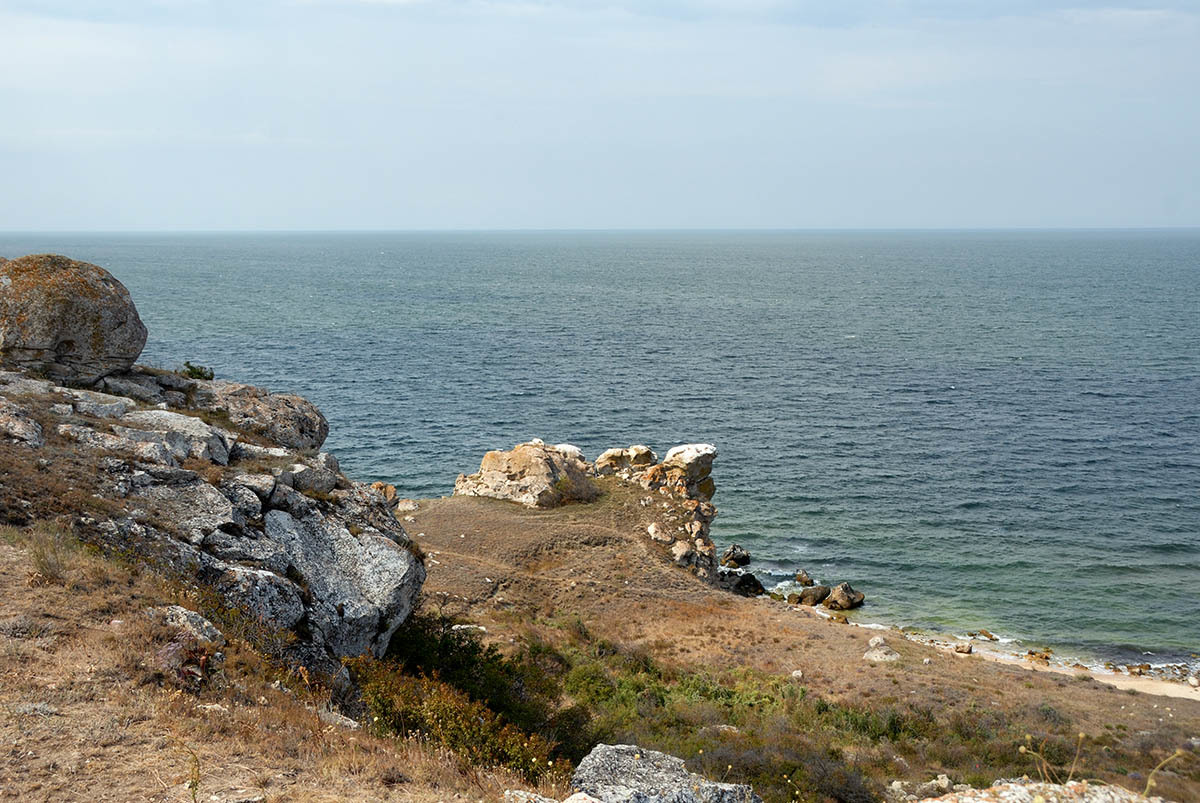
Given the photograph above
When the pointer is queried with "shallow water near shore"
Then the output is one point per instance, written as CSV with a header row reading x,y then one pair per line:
x,y
994,429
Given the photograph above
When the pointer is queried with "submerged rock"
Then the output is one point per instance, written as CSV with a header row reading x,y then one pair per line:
x,y
626,773
532,474
69,320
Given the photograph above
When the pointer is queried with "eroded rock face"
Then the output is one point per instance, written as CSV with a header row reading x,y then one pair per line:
x,y
633,458
532,474
287,420
626,773
301,548
685,472
69,320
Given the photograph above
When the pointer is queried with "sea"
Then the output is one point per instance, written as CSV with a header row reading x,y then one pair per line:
x,y
996,429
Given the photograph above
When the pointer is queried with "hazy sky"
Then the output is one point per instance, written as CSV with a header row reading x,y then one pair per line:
x,y
403,114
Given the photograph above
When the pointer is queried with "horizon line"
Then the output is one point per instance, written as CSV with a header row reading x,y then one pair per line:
x,y
612,230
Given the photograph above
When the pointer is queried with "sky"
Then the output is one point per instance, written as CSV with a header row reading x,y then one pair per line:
x,y
520,114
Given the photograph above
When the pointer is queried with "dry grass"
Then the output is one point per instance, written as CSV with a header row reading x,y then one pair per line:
x,y
86,715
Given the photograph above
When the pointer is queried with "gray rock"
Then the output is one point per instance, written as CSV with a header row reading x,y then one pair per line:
x,y
250,451
176,445
244,500
291,501
263,485
100,405
17,423
628,774
190,623
263,594
282,418
881,653
362,586
150,452
15,383
327,462
261,553
198,509
142,388
69,319
307,478
206,442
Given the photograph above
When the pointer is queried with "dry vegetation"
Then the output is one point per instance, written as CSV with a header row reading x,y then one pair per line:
x,y
86,715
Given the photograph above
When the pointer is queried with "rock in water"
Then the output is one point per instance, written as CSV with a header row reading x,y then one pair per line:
x,y
533,474
843,598
735,557
626,773
70,320
803,578
741,583
814,595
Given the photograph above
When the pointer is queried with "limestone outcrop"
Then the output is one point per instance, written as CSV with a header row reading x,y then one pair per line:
x,y
532,474
282,535
626,773
685,471
625,461
68,320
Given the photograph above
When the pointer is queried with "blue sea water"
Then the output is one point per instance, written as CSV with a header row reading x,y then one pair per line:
x,y
988,429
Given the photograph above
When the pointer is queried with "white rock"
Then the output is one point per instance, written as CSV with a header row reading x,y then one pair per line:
x,y
884,653
877,641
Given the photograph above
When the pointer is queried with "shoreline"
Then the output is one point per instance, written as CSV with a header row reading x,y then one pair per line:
x,y
1155,682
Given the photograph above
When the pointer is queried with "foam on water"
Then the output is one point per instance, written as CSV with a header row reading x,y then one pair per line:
x,y
994,430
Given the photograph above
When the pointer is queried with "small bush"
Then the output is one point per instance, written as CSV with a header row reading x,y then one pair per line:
x,y
192,371
403,705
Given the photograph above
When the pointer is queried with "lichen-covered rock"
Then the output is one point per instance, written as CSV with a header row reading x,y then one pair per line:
x,y
626,773
70,320
533,474
16,423
362,586
204,441
287,420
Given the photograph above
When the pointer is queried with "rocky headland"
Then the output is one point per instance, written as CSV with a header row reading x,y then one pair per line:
x,y
597,579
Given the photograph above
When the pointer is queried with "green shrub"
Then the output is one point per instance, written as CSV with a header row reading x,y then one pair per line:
x,y
192,371
403,705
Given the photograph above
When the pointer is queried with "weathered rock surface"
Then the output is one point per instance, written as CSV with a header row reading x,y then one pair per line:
x,y
741,583
282,418
17,423
1074,792
880,651
307,550
70,320
842,598
684,472
628,774
735,557
633,458
813,595
532,474
803,578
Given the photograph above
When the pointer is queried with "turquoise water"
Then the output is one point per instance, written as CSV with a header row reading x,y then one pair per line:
x,y
976,429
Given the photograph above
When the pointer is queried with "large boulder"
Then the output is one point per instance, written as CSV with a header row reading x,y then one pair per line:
x,y
842,598
533,474
69,320
625,773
